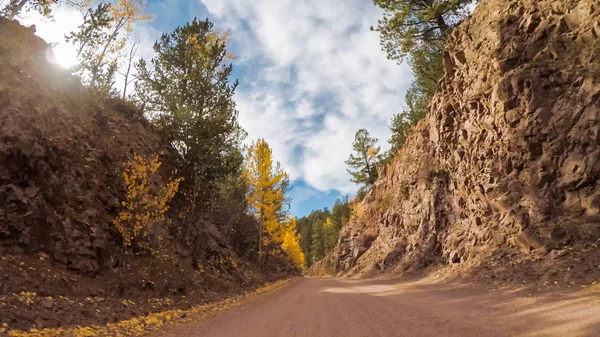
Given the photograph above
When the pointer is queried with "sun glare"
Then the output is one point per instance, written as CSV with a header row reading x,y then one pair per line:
x,y
63,55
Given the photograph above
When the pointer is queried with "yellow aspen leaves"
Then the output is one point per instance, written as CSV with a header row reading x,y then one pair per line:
x,y
266,192
203,50
328,223
357,209
291,244
372,152
127,12
143,208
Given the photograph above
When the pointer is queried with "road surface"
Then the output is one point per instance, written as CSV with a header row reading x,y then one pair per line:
x,y
376,308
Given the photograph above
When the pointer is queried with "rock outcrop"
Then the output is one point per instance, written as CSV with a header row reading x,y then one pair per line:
x,y
508,158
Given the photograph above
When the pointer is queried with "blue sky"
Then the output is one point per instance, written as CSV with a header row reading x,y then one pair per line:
x,y
311,74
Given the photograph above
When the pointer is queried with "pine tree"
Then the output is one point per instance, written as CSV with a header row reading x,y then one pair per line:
x,y
407,25
266,195
318,239
305,228
416,30
363,162
340,214
188,90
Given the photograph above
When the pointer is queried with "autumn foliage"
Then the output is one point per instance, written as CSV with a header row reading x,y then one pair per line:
x,y
143,208
291,244
267,184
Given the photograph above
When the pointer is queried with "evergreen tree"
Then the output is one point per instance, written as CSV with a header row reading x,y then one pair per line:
x,y
340,214
188,91
318,239
416,30
305,228
363,162
407,25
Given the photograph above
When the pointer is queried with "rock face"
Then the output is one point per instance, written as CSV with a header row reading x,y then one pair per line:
x,y
508,157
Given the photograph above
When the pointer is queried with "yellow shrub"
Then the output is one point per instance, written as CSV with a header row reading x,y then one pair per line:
x,y
142,208
357,209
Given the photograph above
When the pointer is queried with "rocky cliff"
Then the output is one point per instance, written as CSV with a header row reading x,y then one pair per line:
x,y
506,165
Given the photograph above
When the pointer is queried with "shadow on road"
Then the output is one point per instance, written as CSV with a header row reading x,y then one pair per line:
x,y
520,311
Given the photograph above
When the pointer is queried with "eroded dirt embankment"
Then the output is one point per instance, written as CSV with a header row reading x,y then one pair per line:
x,y
62,262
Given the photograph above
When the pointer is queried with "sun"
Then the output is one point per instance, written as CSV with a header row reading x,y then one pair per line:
x,y
63,55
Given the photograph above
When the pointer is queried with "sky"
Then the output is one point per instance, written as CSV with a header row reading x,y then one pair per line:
x,y
311,73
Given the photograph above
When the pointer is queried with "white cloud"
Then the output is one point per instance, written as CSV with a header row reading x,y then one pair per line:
x,y
312,74
322,77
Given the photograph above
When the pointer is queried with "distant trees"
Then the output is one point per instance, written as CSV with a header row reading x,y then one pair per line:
x,y
363,162
340,215
320,230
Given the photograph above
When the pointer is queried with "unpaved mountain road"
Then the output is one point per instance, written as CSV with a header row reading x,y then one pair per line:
x,y
372,308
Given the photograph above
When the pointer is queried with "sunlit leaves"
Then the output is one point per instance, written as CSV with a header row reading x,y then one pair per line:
x,y
142,208
291,244
101,39
266,186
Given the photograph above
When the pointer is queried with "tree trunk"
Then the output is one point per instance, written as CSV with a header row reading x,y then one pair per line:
x,y
14,8
259,243
442,25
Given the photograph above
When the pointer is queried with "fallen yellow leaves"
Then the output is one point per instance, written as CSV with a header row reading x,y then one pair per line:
x,y
141,325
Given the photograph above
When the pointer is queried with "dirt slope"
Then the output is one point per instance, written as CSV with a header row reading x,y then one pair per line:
x,y
61,259
504,170
353,308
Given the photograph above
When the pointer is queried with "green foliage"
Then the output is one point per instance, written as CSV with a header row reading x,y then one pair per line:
x,y
361,193
320,230
311,231
340,214
407,25
100,40
187,88
416,30
318,237
15,7
89,39
363,162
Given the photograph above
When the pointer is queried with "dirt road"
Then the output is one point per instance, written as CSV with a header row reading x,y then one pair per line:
x,y
371,308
